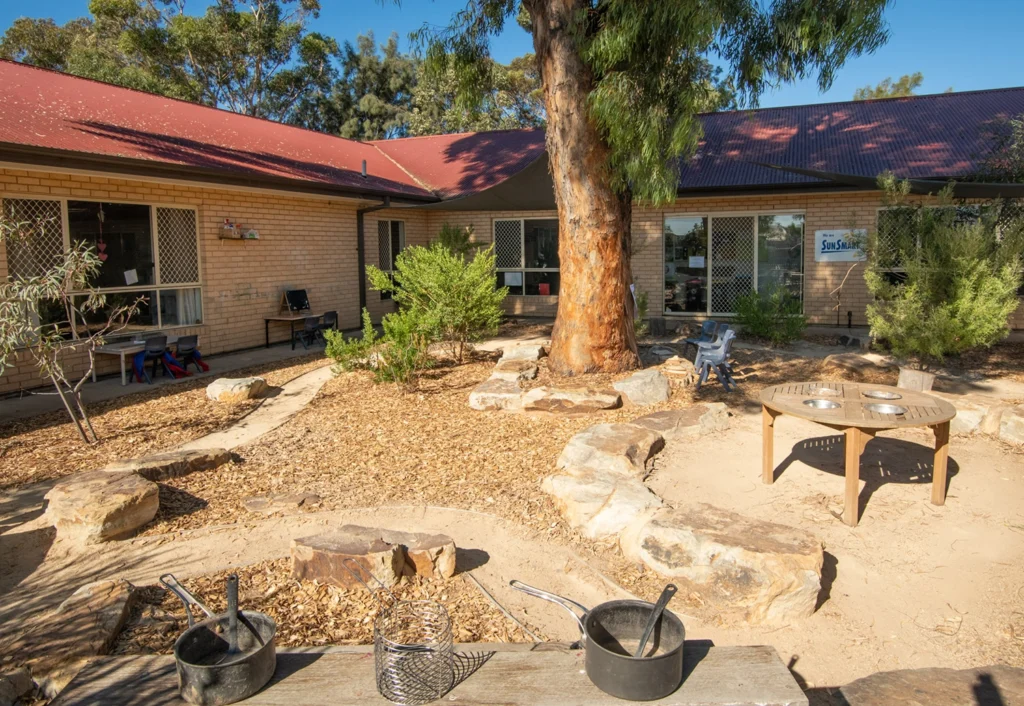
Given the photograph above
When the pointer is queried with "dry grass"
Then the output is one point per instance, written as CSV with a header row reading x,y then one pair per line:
x,y
155,419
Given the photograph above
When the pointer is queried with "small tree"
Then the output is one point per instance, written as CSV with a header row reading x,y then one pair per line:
x,y
774,315
457,239
453,299
946,280
64,292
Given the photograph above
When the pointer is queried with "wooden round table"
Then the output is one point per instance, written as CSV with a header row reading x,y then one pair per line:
x,y
852,408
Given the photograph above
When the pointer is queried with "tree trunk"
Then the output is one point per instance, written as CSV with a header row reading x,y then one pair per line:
x,y
594,326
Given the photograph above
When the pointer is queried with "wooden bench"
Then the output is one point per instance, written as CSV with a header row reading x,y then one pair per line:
x,y
548,674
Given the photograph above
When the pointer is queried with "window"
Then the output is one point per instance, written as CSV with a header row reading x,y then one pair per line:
x,y
526,253
711,261
390,242
146,252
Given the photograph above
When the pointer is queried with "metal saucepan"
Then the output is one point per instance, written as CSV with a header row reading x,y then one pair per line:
x,y
225,658
611,633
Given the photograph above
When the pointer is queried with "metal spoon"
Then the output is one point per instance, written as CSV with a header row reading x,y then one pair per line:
x,y
659,608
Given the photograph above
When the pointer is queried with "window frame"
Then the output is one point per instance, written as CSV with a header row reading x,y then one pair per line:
x,y
522,252
157,285
404,237
749,213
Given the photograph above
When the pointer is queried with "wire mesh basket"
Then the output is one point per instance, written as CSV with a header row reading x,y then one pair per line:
x,y
413,649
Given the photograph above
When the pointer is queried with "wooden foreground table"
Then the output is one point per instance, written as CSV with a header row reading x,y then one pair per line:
x,y
859,423
509,674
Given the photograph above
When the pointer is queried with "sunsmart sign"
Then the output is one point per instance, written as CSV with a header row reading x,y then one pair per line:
x,y
846,245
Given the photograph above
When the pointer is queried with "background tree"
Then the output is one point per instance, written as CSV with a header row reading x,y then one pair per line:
x,y
906,85
622,84
1004,162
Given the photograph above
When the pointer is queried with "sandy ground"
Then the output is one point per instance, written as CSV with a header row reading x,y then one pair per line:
x,y
913,585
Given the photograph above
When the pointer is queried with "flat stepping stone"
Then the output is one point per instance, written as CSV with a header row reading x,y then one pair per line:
x,y
495,393
741,568
598,503
236,389
100,506
523,351
1011,425
385,554
289,502
687,422
645,387
570,400
998,685
172,464
623,449
514,370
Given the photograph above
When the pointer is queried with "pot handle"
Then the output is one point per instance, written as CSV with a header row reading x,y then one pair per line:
x,y
566,603
172,585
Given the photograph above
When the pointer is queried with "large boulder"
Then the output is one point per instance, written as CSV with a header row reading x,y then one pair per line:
x,y
385,554
854,366
998,685
1011,425
523,351
85,625
172,464
741,568
99,506
14,685
598,503
495,393
570,400
514,370
645,387
617,448
236,389
687,422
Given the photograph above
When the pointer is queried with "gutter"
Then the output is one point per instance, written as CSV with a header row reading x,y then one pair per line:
x,y
361,248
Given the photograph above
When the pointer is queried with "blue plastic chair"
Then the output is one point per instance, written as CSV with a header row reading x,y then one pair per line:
x,y
715,357
708,330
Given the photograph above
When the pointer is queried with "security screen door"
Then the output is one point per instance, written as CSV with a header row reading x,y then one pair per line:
x,y
732,261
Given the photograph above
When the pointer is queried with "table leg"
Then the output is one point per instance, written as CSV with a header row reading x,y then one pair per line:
x,y
124,377
940,463
266,331
853,450
291,327
767,445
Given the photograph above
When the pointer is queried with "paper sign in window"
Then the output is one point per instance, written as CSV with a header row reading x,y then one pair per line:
x,y
513,279
131,277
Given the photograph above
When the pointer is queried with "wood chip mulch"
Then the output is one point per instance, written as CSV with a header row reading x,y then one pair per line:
x,y
310,613
155,419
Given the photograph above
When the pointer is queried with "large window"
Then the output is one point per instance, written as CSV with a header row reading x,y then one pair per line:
x,y
712,260
390,242
526,253
147,253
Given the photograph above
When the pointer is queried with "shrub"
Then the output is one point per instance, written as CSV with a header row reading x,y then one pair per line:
x,y
352,353
457,240
773,315
396,356
640,322
446,297
960,271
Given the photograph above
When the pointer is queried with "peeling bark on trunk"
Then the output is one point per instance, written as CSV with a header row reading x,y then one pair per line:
x,y
594,326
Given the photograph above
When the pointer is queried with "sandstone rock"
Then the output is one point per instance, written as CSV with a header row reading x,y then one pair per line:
x,y
83,626
853,365
740,568
14,685
172,464
623,449
998,685
523,351
236,389
288,502
1011,425
687,422
598,503
495,394
661,352
387,554
514,370
570,400
98,506
645,387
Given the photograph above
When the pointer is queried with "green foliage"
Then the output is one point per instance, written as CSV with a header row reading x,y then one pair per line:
x,y
450,298
959,271
458,240
640,325
648,64
1004,162
906,85
773,315
396,356
351,354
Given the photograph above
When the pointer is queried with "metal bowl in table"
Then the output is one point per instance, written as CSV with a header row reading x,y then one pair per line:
x,y
822,404
882,395
824,391
893,409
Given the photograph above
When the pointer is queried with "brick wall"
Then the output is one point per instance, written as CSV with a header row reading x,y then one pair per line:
x,y
305,243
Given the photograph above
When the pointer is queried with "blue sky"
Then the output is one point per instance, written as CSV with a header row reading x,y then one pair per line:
x,y
968,46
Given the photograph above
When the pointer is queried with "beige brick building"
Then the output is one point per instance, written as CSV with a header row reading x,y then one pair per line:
x,y
151,182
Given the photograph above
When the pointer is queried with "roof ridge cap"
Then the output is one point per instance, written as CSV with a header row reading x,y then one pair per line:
x,y
420,182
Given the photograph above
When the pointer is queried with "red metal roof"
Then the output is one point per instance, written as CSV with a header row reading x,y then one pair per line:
x,y
458,165
40,108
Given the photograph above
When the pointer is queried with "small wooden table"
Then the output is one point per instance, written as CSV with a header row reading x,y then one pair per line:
x,y
124,350
547,674
290,319
859,424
